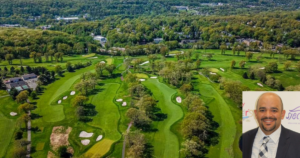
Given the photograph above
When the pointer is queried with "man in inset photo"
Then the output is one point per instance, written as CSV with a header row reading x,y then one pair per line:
x,y
270,139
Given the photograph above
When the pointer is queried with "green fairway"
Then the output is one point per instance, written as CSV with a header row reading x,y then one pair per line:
x,y
222,115
7,127
165,142
107,119
54,113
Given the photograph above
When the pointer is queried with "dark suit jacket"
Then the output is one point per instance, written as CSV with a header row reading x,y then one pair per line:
x,y
288,145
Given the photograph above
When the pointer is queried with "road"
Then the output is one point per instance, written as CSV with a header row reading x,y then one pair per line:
x,y
124,143
28,133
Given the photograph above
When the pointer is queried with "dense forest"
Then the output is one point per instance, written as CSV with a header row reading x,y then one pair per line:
x,y
39,12
25,43
270,29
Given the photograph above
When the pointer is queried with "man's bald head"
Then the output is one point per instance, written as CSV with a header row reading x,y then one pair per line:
x,y
269,95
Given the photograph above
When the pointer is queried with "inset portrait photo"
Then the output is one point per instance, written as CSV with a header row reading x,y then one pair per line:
x,y
271,125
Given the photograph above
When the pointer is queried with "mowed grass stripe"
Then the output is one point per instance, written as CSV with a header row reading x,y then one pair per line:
x,y
7,127
55,113
107,119
222,115
165,142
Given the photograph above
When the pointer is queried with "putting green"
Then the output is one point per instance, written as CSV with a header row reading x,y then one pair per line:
x,y
165,142
54,113
140,75
222,115
109,61
7,127
107,119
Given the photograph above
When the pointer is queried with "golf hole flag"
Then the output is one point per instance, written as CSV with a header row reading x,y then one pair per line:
x,y
291,104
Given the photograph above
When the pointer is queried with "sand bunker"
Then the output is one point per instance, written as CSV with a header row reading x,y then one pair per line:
x,y
262,68
102,61
119,100
65,97
260,84
84,134
212,73
146,62
51,155
99,137
59,137
13,113
153,77
142,79
85,141
72,93
222,69
59,102
178,99
124,104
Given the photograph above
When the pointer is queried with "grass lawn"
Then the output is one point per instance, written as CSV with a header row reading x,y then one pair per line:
x,y
222,115
165,142
54,113
107,119
7,127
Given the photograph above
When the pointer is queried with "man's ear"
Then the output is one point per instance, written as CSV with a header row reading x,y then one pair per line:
x,y
282,114
255,114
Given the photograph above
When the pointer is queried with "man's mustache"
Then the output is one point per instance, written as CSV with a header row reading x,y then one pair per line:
x,y
269,118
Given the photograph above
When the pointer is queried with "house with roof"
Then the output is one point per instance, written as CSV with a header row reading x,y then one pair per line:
x,y
24,82
157,40
101,39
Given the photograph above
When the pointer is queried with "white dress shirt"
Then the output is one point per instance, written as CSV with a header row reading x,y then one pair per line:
x,y
272,144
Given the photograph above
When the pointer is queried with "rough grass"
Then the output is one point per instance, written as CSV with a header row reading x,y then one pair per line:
x,y
165,142
107,119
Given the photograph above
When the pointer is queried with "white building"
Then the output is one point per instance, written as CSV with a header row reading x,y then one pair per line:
x,y
157,40
101,39
67,18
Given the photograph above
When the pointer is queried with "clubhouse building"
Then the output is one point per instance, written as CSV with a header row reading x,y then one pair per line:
x,y
22,83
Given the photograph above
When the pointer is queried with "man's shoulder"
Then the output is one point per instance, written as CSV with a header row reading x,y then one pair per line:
x,y
292,134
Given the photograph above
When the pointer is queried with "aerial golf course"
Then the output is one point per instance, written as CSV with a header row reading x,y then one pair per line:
x,y
102,133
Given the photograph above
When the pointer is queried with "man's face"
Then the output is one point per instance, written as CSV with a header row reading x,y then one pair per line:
x,y
269,113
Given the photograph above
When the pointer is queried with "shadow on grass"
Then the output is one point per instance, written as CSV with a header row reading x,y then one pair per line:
x,y
160,117
35,116
148,150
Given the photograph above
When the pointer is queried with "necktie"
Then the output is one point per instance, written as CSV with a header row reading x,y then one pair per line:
x,y
263,150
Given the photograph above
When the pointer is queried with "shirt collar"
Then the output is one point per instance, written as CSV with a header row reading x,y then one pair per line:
x,y
274,136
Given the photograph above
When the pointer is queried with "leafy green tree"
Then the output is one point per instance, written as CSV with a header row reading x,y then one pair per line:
x,y
232,64
58,69
287,65
26,107
271,67
69,67
9,58
110,69
22,96
79,100
100,67
242,64
249,55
